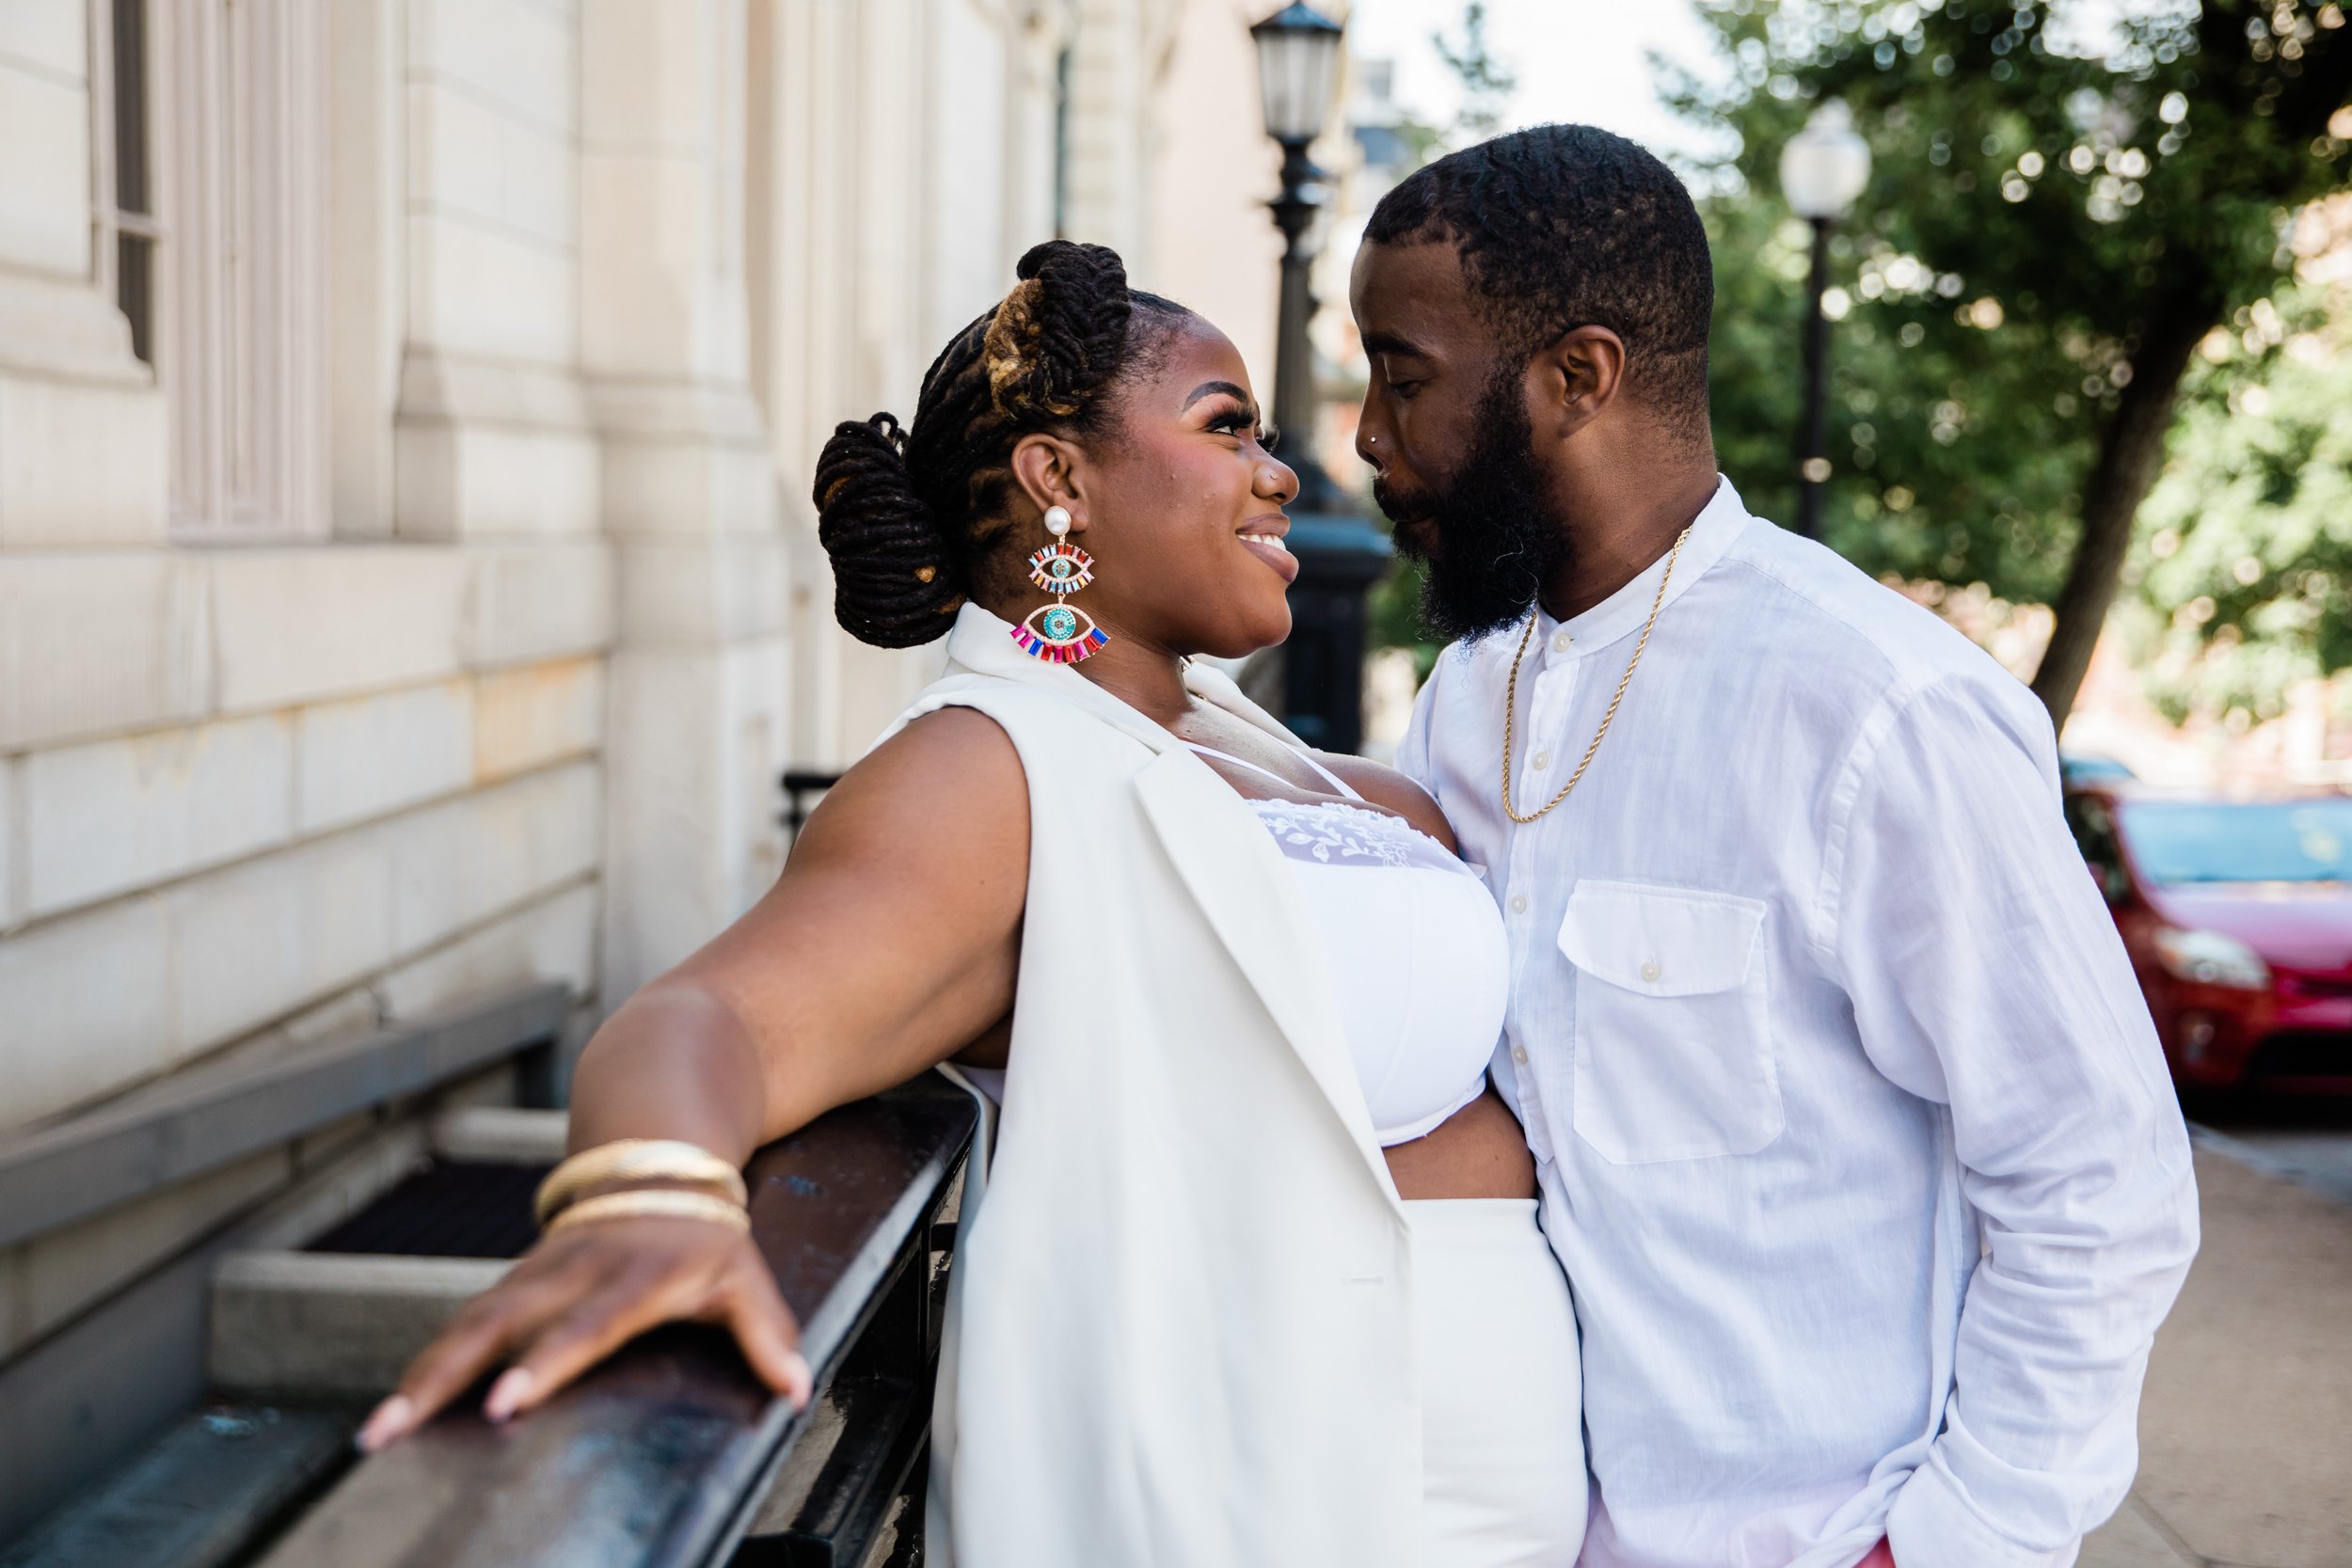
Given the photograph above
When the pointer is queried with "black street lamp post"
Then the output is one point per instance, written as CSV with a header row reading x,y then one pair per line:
x,y
1822,169
1339,554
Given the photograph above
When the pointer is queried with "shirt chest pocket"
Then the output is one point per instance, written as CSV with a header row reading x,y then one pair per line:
x,y
1674,1051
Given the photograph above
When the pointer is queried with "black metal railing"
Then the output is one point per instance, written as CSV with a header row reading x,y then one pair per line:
x,y
802,791
671,1454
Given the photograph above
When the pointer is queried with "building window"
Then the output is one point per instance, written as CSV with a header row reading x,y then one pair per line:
x,y
217,210
1061,145
127,230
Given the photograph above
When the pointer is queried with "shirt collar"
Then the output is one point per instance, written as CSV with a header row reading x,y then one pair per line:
x,y
1624,611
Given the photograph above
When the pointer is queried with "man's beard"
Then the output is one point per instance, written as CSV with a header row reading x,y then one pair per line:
x,y
1486,536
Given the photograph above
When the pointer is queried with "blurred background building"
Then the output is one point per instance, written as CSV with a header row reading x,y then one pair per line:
x,y
408,582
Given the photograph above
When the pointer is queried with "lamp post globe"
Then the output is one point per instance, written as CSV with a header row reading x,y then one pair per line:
x,y
1298,59
1340,553
1823,170
1825,165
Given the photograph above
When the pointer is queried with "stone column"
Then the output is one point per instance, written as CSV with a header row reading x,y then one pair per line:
x,y
699,674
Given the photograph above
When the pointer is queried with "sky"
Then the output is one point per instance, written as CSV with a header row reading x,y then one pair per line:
x,y
1589,60
1582,61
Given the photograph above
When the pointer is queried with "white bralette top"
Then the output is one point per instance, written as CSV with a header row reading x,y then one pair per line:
x,y
1416,947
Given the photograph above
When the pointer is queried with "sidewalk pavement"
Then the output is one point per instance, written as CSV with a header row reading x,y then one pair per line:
x,y
2245,1428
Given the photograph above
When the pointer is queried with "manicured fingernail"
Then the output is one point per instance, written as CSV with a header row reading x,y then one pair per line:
x,y
385,1422
513,1386
799,1379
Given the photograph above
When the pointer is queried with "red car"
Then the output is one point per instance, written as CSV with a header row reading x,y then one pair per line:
x,y
2238,918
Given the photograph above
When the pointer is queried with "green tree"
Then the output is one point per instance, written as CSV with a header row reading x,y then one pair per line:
x,y
2053,226
1486,81
2243,560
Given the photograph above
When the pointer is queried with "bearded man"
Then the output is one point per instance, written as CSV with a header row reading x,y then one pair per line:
x,y
1855,1137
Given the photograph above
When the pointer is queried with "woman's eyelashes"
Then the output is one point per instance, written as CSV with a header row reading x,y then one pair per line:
x,y
1241,423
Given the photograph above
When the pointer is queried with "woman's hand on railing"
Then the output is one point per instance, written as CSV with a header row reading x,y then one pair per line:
x,y
582,1293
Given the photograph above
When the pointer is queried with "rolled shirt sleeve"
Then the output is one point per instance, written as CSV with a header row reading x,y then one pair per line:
x,y
1986,976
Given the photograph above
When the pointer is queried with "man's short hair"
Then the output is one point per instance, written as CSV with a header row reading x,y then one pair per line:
x,y
1569,226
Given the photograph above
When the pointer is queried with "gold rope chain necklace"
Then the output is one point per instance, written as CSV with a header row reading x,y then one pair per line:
x,y
1511,700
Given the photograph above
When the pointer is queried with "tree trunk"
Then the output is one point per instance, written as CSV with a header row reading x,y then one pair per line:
x,y
2131,454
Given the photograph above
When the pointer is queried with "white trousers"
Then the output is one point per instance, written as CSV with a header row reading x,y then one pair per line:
x,y
1503,1438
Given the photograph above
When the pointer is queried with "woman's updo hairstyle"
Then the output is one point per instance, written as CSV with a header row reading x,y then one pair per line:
x,y
909,516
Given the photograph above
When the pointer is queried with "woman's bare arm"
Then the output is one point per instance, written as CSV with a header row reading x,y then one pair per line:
x,y
891,939
889,942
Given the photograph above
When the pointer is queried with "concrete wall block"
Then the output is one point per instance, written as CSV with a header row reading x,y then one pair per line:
x,y
526,718
643,73
52,35
85,1008
111,816
80,464
325,1144
666,879
256,940
477,157
517,54
288,1324
475,482
449,389
555,940
297,624
664,487
368,755
13,844
98,644
460,863
699,591
500,1134
644,307
532,602
478,290
697,740
66,1271
44,168
758,695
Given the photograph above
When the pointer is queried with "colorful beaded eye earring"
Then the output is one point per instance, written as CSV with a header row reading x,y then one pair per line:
x,y
1060,632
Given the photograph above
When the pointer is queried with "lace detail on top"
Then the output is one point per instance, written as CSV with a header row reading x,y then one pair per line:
x,y
1334,832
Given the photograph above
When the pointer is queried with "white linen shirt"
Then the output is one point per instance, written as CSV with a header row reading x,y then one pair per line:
x,y
1853,1134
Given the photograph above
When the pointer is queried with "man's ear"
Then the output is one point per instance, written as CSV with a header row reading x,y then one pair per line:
x,y
1574,379
1046,469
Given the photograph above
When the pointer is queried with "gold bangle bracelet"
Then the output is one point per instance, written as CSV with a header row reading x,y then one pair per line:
x,y
637,1160
653,1202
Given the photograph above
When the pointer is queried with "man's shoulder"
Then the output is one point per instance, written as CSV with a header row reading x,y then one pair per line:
x,y
1846,635
1788,613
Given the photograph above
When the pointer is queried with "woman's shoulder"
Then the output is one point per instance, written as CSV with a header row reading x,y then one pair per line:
x,y
1386,786
952,766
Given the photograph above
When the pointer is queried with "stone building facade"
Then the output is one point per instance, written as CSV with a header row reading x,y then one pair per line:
x,y
408,586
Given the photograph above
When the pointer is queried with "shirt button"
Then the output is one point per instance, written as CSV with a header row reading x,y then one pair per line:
x,y
1519,902
1518,1054
1560,643
1541,759
1650,969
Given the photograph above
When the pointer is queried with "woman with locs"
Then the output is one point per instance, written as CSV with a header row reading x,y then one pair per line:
x,y
1250,1270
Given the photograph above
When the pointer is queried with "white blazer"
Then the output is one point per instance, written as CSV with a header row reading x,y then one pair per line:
x,y
1179,1326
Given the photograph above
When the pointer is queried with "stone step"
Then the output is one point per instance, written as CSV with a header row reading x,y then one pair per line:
x,y
200,1496
500,1134
331,1326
